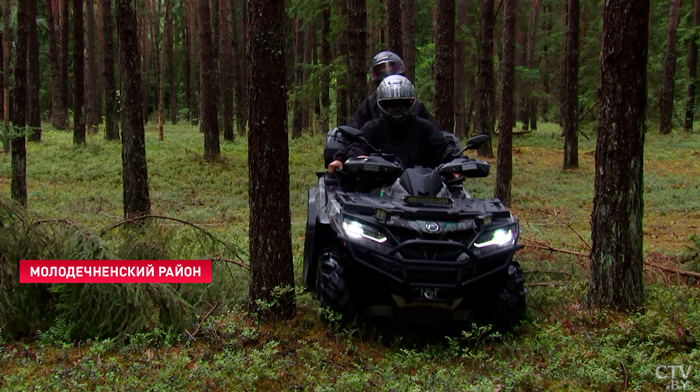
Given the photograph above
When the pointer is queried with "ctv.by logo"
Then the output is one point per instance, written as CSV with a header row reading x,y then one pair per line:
x,y
677,374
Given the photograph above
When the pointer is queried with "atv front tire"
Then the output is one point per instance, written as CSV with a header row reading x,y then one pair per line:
x,y
505,305
332,287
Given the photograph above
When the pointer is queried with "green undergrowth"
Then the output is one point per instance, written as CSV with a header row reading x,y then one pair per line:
x,y
201,337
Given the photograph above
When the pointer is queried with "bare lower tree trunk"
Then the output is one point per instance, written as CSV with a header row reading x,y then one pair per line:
x,y
444,65
459,68
666,101
137,201
484,111
78,73
357,49
237,74
341,90
271,265
100,62
33,74
208,88
325,63
521,85
92,117
393,23
6,39
506,113
692,71
171,67
408,45
63,105
192,50
110,90
55,63
617,259
571,79
18,186
161,80
297,116
145,65
532,65
225,62
307,102
244,64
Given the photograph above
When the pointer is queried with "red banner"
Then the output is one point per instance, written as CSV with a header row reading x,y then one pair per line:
x,y
115,271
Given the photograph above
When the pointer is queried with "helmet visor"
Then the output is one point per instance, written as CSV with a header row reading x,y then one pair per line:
x,y
396,107
384,69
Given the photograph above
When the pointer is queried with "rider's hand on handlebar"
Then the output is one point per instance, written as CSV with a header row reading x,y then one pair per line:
x,y
457,175
335,165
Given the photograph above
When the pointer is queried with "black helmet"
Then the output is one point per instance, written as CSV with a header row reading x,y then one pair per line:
x,y
384,64
396,97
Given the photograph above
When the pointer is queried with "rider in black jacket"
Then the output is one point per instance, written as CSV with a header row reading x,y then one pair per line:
x,y
383,64
414,140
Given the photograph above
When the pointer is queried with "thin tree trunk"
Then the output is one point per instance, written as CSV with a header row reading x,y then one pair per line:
x,y
393,23
135,169
155,50
297,107
171,69
78,73
237,73
244,63
617,259
110,90
194,66
459,68
161,80
2,77
357,49
545,69
571,79
18,186
100,62
7,38
326,63
692,71
373,32
408,46
484,111
506,113
208,88
188,60
532,65
444,65
145,65
666,102
63,90
33,74
562,71
308,48
92,118
225,62
521,85
271,265
343,78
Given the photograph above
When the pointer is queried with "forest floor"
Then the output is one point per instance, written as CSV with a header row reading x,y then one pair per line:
x,y
561,344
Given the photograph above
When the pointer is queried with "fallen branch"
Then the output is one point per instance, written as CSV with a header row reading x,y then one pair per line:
x,y
552,283
675,270
546,272
553,249
204,319
244,266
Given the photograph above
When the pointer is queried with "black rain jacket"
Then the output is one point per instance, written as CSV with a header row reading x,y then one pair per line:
x,y
369,110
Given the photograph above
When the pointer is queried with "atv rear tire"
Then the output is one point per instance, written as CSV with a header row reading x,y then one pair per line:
x,y
506,303
332,287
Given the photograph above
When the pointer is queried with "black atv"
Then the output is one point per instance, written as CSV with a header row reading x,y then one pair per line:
x,y
412,246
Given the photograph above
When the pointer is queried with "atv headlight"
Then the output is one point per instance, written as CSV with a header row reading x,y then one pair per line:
x,y
492,240
357,230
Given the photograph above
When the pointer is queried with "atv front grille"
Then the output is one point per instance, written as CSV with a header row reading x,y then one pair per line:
x,y
425,246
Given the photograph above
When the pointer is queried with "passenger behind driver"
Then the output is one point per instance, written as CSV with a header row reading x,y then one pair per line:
x,y
415,141
383,64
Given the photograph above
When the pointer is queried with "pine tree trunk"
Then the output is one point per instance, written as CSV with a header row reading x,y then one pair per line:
x,y
100,62
666,102
297,116
110,90
171,69
271,265
78,73
562,71
6,38
192,38
155,50
33,74
692,71
532,65
617,259
408,46
225,62
357,49
325,63
163,70
444,65
63,104
145,65
188,61
571,79
393,23
341,90
484,80
237,73
244,63
92,118
506,113
307,102
208,90
135,169
545,69
459,68
521,87
18,186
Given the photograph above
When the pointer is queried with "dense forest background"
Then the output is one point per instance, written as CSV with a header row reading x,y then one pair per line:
x,y
319,60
